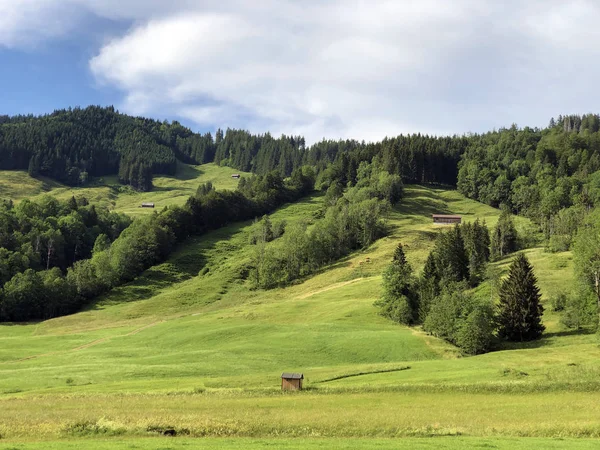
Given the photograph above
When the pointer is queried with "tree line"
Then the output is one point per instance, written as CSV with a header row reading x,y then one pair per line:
x,y
550,175
39,241
72,145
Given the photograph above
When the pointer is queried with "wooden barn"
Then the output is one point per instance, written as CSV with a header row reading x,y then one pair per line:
x,y
445,219
291,381
235,175
147,205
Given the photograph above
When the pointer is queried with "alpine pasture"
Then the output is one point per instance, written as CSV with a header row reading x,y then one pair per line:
x,y
189,347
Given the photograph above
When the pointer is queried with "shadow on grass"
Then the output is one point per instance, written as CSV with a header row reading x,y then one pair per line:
x,y
164,189
545,340
184,173
422,205
183,264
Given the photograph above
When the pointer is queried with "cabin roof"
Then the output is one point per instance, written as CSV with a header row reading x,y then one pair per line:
x,y
292,376
445,216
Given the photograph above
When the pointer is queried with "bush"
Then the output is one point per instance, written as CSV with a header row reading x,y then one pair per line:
x,y
475,333
559,243
559,301
461,320
580,310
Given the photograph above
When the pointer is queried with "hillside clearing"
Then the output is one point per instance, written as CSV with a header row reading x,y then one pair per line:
x,y
108,192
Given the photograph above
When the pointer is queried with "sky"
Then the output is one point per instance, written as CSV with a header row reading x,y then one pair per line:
x,y
361,69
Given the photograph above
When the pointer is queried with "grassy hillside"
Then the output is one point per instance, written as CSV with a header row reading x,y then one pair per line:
x,y
189,345
110,193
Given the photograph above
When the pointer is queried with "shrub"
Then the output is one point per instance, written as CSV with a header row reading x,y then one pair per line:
x,y
475,333
580,310
559,301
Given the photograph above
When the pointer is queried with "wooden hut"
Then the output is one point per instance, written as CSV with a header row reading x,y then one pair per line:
x,y
445,219
147,205
291,381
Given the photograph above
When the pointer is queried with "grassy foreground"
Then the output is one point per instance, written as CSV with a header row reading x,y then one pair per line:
x,y
189,346
453,443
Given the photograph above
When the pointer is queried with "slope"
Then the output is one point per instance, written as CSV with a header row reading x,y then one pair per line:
x,y
189,345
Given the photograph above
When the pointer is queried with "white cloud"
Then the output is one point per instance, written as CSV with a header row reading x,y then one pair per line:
x,y
339,68
24,23
332,69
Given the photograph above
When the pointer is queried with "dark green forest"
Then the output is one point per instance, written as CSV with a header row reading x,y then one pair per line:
x,y
73,145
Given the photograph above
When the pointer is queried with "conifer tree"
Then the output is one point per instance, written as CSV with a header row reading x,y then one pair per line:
x,y
399,301
452,260
519,311
430,269
399,256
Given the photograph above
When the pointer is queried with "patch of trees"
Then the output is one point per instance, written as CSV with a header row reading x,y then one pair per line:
x,y
350,220
39,241
259,153
440,301
415,158
72,145
549,175
582,305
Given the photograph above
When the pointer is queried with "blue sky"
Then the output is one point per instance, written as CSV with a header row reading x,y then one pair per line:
x,y
335,69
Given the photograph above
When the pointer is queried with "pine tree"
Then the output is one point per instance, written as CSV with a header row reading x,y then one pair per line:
x,y
72,204
399,301
519,311
399,256
430,269
453,262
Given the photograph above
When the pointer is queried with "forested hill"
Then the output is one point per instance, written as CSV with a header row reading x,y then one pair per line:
x,y
534,171
75,144
72,145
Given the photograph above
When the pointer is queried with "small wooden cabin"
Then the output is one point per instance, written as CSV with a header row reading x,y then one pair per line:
x,y
147,205
235,175
446,219
291,381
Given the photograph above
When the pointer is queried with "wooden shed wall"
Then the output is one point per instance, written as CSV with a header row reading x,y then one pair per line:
x,y
291,385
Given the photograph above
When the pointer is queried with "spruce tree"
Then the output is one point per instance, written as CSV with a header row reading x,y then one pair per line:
x,y
430,271
452,260
399,256
519,310
399,301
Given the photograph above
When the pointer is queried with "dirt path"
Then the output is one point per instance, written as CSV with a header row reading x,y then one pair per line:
x,y
329,288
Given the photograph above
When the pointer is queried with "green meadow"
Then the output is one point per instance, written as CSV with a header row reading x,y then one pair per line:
x,y
190,346
108,192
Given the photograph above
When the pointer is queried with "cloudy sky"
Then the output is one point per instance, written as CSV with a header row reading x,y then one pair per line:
x,y
338,68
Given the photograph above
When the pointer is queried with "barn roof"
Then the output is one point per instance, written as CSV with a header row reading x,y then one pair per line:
x,y
292,376
445,216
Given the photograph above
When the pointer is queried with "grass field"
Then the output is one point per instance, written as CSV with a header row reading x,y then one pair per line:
x,y
189,346
107,191
453,443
